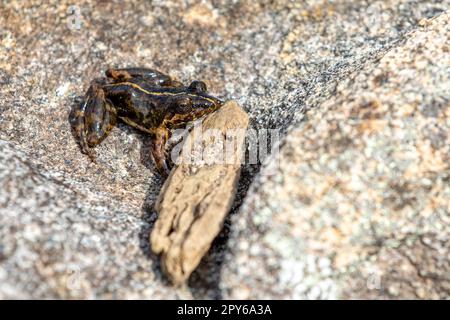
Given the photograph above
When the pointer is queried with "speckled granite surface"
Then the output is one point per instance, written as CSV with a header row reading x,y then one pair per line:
x,y
358,205
70,228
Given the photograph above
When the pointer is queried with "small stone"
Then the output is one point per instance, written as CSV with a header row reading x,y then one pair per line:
x,y
193,204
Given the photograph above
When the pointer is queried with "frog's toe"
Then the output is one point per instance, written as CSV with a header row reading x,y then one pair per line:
x,y
165,169
76,120
91,154
86,149
93,140
163,166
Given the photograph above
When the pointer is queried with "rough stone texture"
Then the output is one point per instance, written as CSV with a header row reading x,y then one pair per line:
x,y
59,240
276,58
199,192
358,204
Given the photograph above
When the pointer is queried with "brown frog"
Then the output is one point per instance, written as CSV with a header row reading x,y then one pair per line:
x,y
147,100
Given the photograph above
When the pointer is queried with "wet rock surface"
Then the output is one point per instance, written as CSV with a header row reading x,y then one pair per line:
x,y
72,228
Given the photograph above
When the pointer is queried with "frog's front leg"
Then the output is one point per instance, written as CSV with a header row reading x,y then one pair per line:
x,y
151,76
160,156
93,119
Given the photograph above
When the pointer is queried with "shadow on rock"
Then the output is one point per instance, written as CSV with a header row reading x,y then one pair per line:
x,y
205,280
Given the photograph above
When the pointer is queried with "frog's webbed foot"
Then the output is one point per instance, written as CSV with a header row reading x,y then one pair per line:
x,y
76,119
159,153
93,119
150,76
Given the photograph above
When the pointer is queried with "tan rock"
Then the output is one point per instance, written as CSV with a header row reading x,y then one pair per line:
x,y
198,194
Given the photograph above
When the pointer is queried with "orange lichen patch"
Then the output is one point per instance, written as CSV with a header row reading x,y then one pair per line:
x,y
447,111
407,110
345,257
431,160
371,126
200,14
286,54
319,12
368,109
438,200
332,235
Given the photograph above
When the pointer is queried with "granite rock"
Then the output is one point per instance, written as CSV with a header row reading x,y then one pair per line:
x,y
357,204
278,59
59,240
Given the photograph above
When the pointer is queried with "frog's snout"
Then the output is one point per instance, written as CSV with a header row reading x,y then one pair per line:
x,y
207,104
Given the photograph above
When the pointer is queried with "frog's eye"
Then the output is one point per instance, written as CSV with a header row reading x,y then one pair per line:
x,y
197,86
184,104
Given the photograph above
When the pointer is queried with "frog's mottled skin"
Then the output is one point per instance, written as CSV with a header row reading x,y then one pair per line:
x,y
143,98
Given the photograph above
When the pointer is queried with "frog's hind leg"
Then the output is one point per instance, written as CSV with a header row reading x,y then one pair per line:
x,y
160,156
93,119
150,76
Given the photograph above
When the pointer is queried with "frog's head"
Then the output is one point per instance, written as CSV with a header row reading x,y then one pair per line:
x,y
196,102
